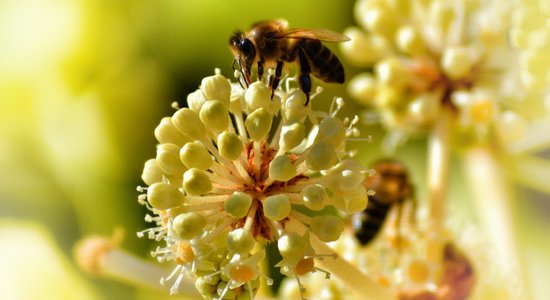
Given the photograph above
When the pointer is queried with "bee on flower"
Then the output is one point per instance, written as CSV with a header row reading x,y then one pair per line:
x,y
235,170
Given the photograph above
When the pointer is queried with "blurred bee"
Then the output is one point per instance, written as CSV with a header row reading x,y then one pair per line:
x,y
272,43
392,188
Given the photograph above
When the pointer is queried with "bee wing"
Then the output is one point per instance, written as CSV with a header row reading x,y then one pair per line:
x,y
324,35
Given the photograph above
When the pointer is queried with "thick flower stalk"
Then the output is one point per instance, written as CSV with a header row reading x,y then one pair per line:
x,y
233,170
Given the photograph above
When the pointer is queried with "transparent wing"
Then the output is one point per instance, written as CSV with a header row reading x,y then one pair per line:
x,y
324,35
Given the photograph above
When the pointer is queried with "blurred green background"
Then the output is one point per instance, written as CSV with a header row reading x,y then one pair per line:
x,y
83,83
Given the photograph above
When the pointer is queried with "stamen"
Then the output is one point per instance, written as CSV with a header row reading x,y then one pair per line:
x,y
257,159
250,216
225,162
214,178
203,206
175,105
220,228
192,200
301,288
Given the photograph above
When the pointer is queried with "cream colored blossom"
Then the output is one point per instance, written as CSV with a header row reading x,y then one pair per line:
x,y
437,54
233,171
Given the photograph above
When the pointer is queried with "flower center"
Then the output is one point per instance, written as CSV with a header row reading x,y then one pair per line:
x,y
258,173
431,78
261,187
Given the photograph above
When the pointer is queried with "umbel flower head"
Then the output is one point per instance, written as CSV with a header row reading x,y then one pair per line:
x,y
235,170
426,56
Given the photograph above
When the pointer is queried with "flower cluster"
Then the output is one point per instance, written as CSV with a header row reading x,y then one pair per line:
x,y
425,56
235,170
530,33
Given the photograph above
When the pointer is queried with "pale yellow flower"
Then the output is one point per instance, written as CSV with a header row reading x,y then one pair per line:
x,y
430,55
236,170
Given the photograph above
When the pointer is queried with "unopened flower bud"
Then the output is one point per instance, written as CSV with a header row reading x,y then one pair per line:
x,y
230,145
164,196
363,88
168,159
379,20
321,156
258,124
281,168
332,131
327,228
189,123
188,225
151,172
257,96
292,245
277,207
409,41
315,197
214,115
166,132
196,182
195,100
456,62
295,108
355,200
292,135
240,241
363,50
238,204
217,87
195,155
392,73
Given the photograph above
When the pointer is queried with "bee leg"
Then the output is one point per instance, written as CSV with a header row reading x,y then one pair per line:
x,y
274,80
244,79
260,69
305,79
246,76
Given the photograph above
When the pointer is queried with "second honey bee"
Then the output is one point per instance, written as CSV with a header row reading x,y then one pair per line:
x,y
392,188
272,43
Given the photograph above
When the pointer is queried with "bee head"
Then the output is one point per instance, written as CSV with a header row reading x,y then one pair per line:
x,y
242,47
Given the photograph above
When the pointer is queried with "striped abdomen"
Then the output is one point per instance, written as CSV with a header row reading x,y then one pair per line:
x,y
368,223
324,64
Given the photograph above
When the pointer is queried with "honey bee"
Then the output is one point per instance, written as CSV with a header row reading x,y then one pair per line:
x,y
272,43
392,187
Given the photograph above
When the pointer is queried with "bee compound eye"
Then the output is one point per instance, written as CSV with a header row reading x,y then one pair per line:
x,y
247,47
